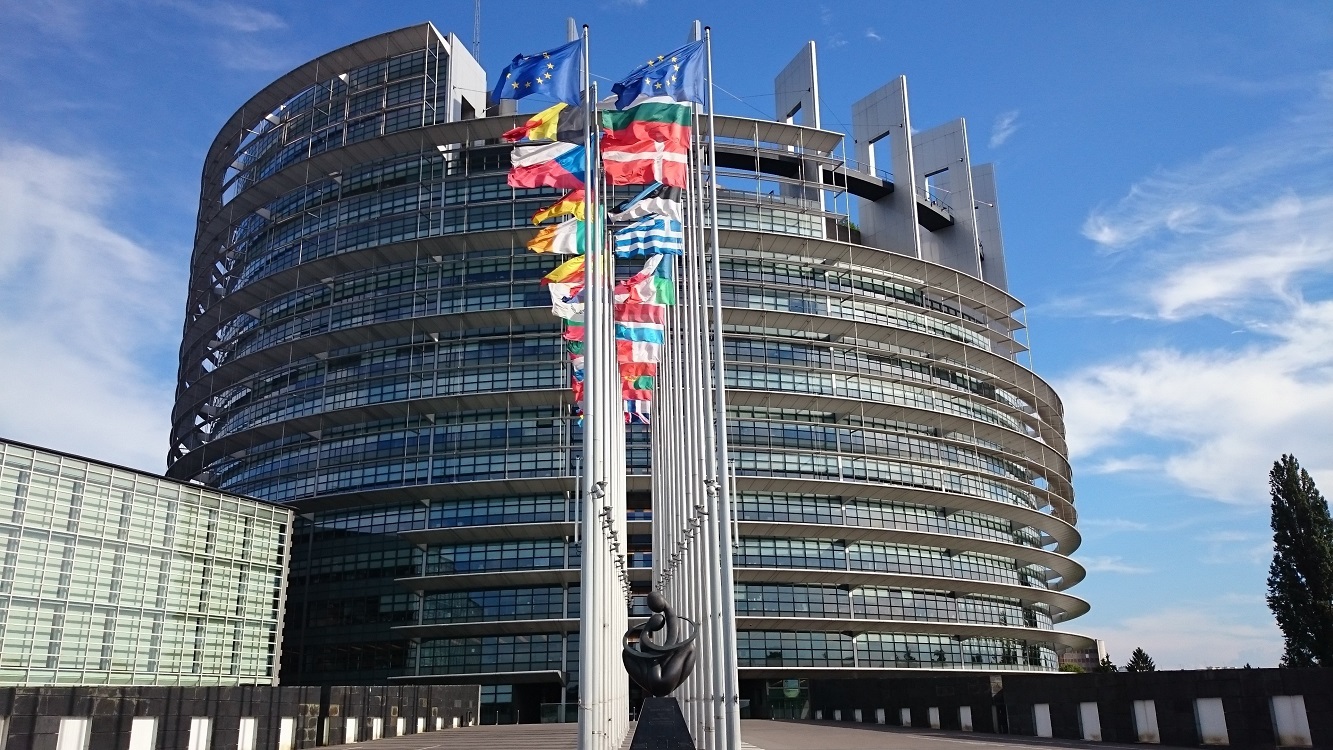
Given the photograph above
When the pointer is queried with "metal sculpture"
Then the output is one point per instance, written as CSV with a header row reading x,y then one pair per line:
x,y
660,668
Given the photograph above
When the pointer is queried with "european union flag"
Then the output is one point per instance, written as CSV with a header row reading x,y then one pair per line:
x,y
554,72
678,74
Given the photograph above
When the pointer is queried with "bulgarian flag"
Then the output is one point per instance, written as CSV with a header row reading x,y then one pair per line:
x,y
565,238
558,165
647,143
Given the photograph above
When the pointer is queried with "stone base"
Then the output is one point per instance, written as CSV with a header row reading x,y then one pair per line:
x,y
661,727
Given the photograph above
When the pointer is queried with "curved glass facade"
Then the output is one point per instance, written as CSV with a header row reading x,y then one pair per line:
x,y
367,340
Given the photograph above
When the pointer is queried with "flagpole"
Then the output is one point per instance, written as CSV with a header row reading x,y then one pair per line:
x,y
715,689
590,578
723,521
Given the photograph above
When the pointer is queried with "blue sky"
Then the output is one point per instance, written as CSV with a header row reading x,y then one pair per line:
x,y
1166,188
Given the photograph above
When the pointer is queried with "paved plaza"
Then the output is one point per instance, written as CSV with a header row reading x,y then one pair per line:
x,y
759,735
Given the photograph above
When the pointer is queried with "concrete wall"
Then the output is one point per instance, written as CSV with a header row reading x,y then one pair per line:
x,y
889,223
1005,703
796,89
318,714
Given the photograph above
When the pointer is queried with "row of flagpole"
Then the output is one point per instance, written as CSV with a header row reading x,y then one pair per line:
x,y
691,540
603,687
651,137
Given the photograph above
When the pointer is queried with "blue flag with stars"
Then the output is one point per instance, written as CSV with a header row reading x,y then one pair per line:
x,y
554,72
678,74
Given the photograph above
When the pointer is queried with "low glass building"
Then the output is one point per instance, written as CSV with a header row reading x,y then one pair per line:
x,y
366,341
113,576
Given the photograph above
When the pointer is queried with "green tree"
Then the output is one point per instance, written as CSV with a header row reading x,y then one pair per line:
x,y
1300,579
1071,668
1139,661
1106,665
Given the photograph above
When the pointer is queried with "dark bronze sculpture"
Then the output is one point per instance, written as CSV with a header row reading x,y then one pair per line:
x,y
660,667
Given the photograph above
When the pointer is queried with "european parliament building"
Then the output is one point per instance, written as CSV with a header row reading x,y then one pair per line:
x,y
366,342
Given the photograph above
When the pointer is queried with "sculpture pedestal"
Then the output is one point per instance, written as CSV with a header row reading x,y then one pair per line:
x,y
661,727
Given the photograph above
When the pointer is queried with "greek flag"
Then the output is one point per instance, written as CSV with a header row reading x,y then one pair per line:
x,y
651,235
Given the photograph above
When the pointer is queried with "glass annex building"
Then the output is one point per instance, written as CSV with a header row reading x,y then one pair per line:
x,y
116,577
366,340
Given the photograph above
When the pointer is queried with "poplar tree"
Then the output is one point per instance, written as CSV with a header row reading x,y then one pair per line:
x,y
1300,578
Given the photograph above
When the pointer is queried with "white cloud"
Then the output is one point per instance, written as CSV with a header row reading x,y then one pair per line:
x,y
1005,126
1111,564
1230,632
82,308
837,41
1222,416
872,36
1245,234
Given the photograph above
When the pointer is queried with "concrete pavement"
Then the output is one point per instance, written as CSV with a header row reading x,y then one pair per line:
x,y
759,734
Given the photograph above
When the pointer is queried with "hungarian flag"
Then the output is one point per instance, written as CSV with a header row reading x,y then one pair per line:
x,y
570,205
559,165
558,123
647,143
565,238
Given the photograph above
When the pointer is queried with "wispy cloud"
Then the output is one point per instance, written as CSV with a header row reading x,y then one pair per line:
x,y
65,20
1228,547
1005,126
246,53
1225,184
1229,632
231,16
1246,86
1244,233
81,309
1112,525
872,35
1111,564
837,41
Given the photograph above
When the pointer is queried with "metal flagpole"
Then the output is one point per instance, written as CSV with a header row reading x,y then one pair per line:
x,y
708,528
590,617
723,519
